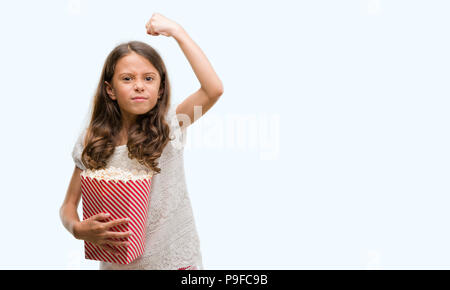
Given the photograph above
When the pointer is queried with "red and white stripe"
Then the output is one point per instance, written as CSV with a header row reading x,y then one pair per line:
x,y
129,199
191,267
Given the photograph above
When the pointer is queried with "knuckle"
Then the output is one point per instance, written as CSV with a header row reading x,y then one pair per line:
x,y
100,229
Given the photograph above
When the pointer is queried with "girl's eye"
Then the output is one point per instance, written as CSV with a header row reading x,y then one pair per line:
x,y
128,78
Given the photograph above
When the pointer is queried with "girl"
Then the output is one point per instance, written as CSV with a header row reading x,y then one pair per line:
x,y
134,126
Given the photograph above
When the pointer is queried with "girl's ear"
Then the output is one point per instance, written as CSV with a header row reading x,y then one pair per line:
x,y
110,91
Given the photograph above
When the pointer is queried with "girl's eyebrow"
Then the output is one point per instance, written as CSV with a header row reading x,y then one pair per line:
x,y
147,73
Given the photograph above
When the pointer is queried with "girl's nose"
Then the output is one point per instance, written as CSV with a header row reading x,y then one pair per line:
x,y
138,85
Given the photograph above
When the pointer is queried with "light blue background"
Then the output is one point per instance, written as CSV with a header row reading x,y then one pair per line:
x,y
347,165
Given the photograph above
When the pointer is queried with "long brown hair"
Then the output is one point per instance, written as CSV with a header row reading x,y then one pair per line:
x,y
147,137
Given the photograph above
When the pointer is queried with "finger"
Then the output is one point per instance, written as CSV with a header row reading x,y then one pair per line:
x,y
152,31
101,216
117,222
118,243
119,235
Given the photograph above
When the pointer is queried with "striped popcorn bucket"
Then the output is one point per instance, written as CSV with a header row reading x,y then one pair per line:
x,y
121,199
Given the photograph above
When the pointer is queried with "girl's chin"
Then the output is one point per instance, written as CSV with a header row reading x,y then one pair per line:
x,y
142,111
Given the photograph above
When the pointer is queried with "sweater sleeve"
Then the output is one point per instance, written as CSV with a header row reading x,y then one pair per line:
x,y
77,150
177,134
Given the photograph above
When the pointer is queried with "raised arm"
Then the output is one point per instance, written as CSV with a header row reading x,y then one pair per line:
x,y
211,87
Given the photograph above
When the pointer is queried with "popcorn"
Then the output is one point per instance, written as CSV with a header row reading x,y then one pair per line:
x,y
115,174
122,194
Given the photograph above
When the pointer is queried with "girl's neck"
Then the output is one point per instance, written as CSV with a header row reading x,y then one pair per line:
x,y
122,138
127,120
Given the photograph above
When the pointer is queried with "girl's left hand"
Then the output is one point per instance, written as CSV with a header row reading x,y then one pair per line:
x,y
159,24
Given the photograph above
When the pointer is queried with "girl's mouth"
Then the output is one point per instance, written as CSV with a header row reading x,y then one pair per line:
x,y
139,99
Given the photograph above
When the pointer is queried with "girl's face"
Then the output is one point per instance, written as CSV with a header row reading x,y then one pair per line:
x,y
134,76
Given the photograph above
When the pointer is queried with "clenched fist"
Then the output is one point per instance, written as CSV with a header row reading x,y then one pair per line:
x,y
158,24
